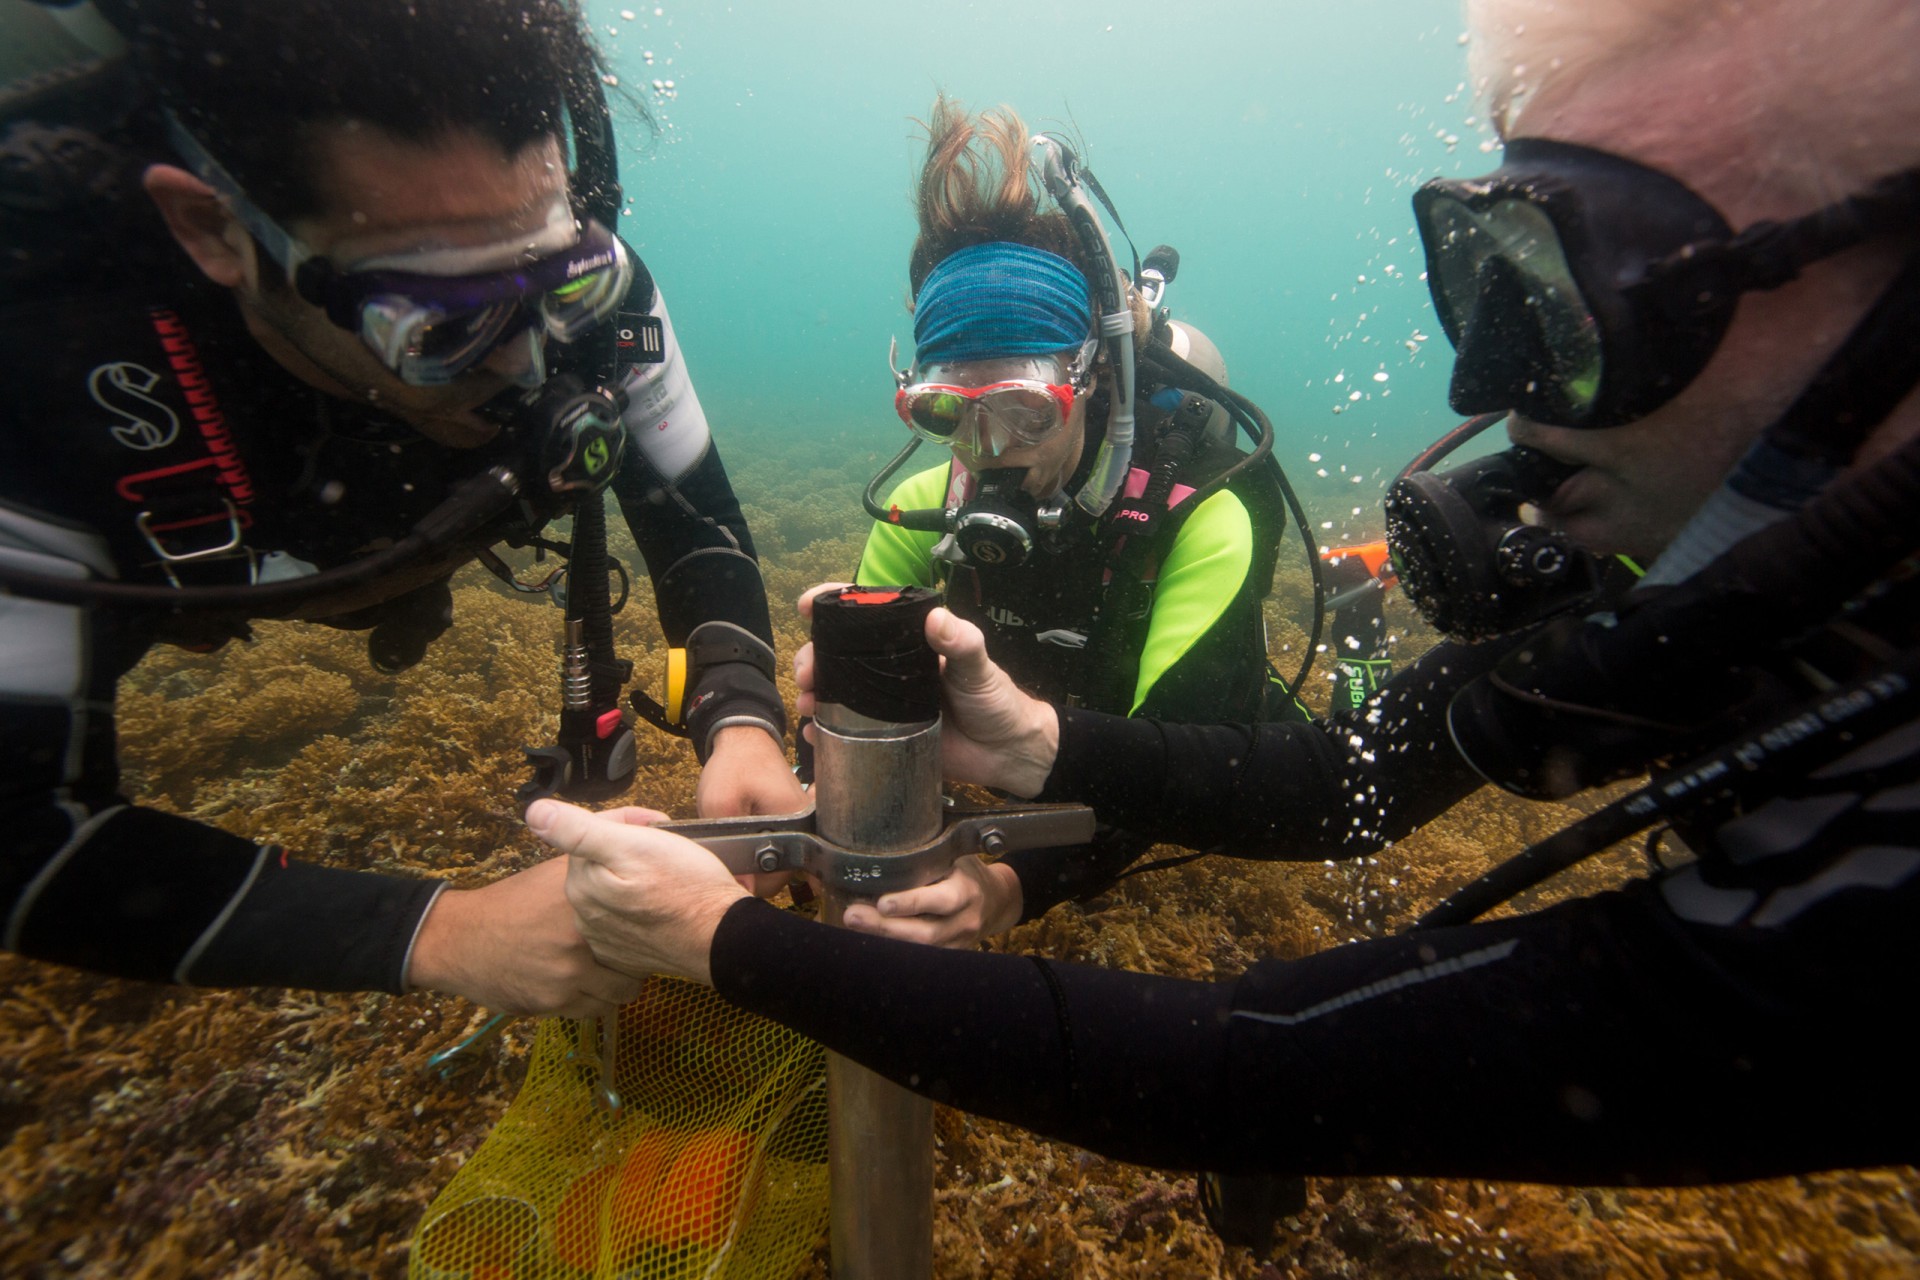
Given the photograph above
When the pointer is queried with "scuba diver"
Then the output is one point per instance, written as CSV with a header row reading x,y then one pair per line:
x,y
1699,337
296,340
1095,518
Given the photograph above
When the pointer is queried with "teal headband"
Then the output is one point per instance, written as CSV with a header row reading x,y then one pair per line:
x,y
1000,299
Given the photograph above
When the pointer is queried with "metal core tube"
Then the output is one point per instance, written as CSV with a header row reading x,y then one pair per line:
x,y
877,790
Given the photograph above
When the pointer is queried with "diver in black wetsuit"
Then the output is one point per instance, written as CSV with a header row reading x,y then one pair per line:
x,y
283,285
1710,360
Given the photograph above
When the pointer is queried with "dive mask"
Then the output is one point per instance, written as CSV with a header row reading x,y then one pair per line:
x,y
1582,289
431,316
429,329
990,406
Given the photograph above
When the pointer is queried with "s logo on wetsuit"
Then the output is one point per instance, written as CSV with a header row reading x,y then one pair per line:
x,y
125,379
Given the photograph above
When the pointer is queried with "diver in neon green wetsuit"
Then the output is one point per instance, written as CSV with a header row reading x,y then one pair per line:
x,y
1202,654
1115,576
1097,524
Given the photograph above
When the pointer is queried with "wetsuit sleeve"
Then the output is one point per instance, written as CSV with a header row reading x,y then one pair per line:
x,y
896,557
1203,659
1333,788
1293,791
1049,877
1599,1042
686,522
88,880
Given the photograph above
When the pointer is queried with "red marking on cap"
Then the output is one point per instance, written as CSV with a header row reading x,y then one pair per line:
x,y
607,723
869,597
893,514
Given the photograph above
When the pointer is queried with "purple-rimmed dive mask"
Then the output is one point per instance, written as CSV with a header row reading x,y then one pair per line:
x,y
430,316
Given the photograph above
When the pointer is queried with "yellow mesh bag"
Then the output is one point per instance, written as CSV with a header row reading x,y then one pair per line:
x,y
713,1165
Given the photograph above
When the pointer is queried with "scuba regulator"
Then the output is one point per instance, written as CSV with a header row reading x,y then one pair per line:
x,y
1469,561
576,435
993,526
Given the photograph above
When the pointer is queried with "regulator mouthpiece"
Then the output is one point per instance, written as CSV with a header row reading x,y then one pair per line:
x,y
1472,566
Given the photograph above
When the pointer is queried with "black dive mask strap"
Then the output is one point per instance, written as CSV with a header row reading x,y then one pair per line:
x,y
1863,382
1770,253
1798,456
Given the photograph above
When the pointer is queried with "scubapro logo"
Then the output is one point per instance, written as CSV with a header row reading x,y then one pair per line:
x,y
121,389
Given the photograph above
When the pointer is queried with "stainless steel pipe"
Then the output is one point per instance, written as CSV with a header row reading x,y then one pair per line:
x,y
878,823
877,791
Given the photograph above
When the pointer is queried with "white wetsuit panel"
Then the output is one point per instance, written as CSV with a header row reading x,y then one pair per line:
x,y
664,418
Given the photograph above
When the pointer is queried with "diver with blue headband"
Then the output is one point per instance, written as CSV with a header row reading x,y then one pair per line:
x,y
1112,562
1096,519
1095,516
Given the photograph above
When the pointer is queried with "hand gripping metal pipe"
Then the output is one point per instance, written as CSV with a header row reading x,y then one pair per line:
x,y
879,824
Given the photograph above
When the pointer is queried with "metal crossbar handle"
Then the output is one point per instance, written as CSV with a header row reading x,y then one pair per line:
x,y
878,787
789,843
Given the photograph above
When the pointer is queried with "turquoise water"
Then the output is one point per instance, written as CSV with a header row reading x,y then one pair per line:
x,y
1274,143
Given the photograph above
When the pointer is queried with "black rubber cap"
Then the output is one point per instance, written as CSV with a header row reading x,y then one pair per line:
x,y
870,652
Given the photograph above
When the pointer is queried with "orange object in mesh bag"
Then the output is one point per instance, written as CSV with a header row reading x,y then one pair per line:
x,y
714,1163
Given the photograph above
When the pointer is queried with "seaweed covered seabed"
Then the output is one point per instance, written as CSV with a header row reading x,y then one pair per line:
x,y
158,1132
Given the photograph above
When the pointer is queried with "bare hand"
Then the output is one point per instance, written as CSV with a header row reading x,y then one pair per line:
x,y
976,899
647,901
513,947
748,774
991,733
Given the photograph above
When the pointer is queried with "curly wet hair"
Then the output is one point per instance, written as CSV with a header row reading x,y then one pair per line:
x,y
975,189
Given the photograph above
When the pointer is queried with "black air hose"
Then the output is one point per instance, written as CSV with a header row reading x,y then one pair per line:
x,y
477,500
